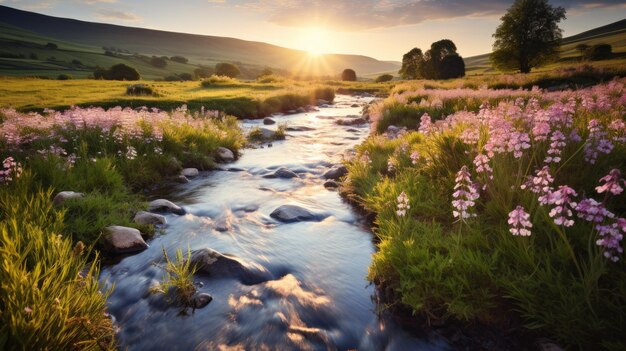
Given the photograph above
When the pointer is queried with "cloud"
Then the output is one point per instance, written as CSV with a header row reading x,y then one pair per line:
x,y
30,5
117,15
366,14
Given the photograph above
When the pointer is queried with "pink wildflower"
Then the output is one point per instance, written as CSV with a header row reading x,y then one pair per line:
x,y
612,183
403,204
465,195
519,222
593,211
562,212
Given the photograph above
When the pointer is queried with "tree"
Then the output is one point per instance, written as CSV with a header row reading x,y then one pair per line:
x,y
348,75
452,66
179,59
266,72
203,72
412,63
117,72
600,52
384,78
158,62
227,69
438,51
582,48
528,36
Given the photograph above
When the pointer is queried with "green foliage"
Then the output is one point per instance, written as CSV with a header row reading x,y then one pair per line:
x,y
203,72
227,69
140,90
412,63
219,80
177,283
441,61
158,62
384,78
117,72
600,52
528,36
50,297
348,75
179,59
64,77
452,66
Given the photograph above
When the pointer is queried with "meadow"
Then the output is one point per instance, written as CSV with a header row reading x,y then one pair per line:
x,y
244,99
500,207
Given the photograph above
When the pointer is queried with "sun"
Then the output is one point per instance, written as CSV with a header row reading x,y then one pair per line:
x,y
315,41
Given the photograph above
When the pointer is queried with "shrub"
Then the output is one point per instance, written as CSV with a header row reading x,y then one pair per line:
x,y
140,90
185,76
33,56
348,75
203,72
227,69
177,284
77,62
117,72
600,52
218,80
64,76
384,78
158,62
179,59
52,46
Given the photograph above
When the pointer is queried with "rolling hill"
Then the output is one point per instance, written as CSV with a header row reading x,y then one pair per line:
x,y
613,34
23,32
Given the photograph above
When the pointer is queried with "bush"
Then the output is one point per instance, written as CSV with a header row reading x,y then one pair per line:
x,y
64,76
218,80
52,46
158,62
33,56
227,69
270,79
77,62
117,72
600,52
384,78
179,59
140,90
203,72
348,75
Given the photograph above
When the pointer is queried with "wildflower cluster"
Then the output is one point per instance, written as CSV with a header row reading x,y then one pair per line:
x,y
11,169
465,195
403,204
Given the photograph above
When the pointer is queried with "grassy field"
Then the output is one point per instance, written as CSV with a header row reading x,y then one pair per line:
x,y
238,98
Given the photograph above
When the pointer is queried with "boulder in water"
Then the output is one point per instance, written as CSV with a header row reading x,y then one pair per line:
x,y
190,172
225,155
268,121
336,173
215,264
162,205
283,173
200,300
293,213
119,240
351,121
143,217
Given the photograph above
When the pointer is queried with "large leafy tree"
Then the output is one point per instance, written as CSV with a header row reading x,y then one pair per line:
x,y
528,36
412,63
227,69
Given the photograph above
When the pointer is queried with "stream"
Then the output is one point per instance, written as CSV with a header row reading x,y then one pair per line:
x,y
316,295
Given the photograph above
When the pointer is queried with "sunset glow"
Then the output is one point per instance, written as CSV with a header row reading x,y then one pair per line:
x,y
315,41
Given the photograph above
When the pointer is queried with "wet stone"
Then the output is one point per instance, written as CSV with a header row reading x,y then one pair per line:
x,y
283,173
293,213
331,184
162,205
225,155
268,121
190,172
200,300
336,173
215,264
119,240
143,217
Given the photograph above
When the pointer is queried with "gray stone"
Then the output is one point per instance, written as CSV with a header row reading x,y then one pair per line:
x,y
200,300
351,121
219,265
300,110
225,154
121,240
283,173
268,121
190,172
336,173
66,195
322,102
331,184
143,217
299,129
292,213
162,205
182,179
547,345
267,133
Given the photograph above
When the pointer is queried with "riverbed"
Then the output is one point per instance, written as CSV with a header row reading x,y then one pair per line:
x,y
316,295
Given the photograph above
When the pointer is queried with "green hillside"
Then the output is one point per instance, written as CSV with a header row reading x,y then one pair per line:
x,y
613,34
85,41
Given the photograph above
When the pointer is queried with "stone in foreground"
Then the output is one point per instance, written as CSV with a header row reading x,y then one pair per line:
x,y
219,265
162,205
331,184
283,173
66,195
200,300
225,155
268,121
190,172
120,240
143,217
293,213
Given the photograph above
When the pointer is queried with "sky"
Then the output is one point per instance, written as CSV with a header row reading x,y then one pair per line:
x,y
384,29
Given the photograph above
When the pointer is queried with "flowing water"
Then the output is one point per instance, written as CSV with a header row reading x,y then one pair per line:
x,y
317,296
